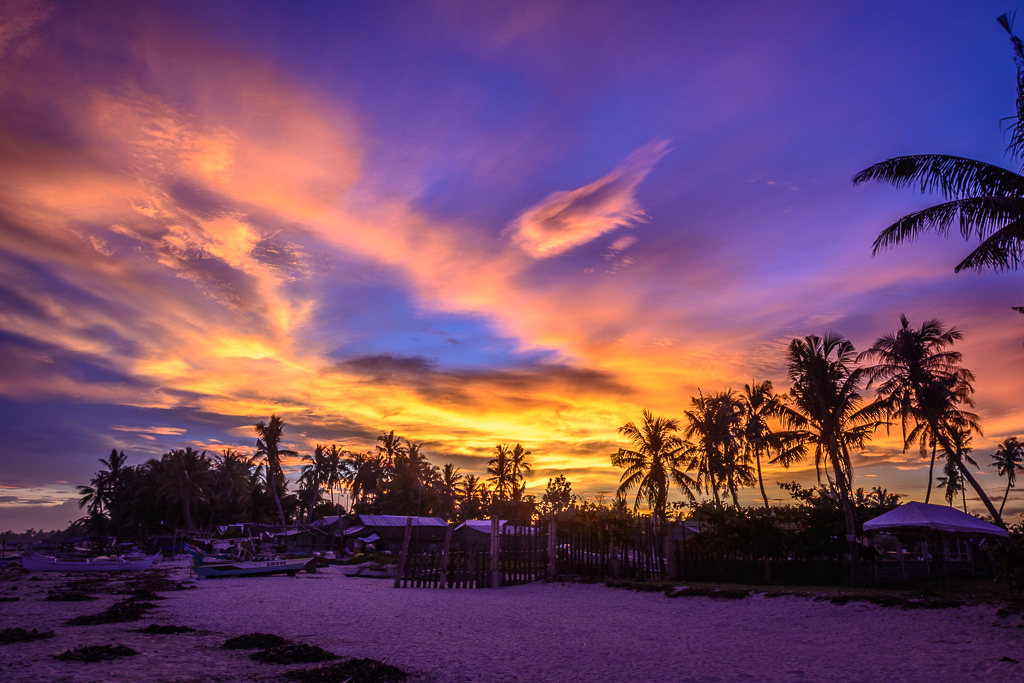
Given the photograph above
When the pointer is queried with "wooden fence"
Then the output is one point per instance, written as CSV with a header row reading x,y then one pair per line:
x,y
522,548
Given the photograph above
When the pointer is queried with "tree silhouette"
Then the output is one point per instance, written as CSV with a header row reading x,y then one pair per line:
x,y
268,446
985,200
1008,459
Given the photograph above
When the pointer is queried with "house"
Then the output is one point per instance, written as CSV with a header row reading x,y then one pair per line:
x,y
386,532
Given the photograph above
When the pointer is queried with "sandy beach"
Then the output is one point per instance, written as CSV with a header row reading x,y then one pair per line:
x,y
537,632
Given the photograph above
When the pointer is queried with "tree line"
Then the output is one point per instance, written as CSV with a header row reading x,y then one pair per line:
x,y
190,489
919,384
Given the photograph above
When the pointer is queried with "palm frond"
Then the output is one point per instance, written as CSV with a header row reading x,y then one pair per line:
x,y
978,216
1003,250
951,176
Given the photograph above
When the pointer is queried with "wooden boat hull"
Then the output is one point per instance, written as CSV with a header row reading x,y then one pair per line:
x,y
253,568
52,564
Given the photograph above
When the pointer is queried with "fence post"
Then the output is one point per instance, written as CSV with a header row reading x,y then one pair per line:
x,y
444,555
495,549
400,572
670,556
552,548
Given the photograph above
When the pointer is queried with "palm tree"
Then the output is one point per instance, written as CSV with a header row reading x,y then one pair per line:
x,y
1008,460
714,422
105,489
267,446
500,469
314,476
187,473
827,408
390,446
449,485
519,466
759,403
922,381
986,200
654,462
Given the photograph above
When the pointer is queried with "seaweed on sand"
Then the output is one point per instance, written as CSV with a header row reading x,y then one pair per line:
x,y
255,641
20,635
350,671
70,596
701,591
120,612
298,653
95,653
164,630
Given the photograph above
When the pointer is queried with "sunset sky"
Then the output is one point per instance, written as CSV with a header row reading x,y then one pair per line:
x,y
471,223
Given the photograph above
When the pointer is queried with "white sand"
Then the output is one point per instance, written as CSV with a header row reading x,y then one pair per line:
x,y
539,632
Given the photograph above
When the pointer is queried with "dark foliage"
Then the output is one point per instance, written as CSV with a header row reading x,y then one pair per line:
x,y
20,635
1010,556
95,653
350,671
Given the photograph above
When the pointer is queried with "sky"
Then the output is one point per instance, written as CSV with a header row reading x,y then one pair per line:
x,y
470,223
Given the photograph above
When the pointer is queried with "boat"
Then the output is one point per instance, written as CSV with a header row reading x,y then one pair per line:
x,y
87,564
214,567
367,570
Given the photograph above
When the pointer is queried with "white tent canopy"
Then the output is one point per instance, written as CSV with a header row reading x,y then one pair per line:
x,y
921,518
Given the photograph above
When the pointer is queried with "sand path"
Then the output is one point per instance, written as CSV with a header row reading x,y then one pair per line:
x,y
539,632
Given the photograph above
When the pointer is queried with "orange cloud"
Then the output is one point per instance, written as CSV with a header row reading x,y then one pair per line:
x,y
568,219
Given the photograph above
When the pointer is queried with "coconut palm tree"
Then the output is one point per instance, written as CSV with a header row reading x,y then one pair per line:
x,y
449,487
826,407
389,447
314,476
500,469
519,466
654,462
268,446
922,382
985,200
187,476
106,488
1008,460
714,443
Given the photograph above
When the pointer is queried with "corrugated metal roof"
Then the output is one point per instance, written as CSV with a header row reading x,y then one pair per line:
x,y
481,525
399,520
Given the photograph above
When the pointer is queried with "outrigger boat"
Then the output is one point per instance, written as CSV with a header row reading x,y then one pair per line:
x,y
87,564
210,567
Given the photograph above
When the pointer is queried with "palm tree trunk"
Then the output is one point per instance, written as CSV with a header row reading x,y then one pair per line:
x,y
849,518
272,481
760,481
948,447
188,514
931,469
1005,495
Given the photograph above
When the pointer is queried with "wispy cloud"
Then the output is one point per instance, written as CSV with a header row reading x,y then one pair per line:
x,y
568,219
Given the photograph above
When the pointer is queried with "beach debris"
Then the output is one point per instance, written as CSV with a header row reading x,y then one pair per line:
x,y
255,641
293,653
703,592
350,671
121,611
164,630
5,599
70,596
1009,659
95,653
20,635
